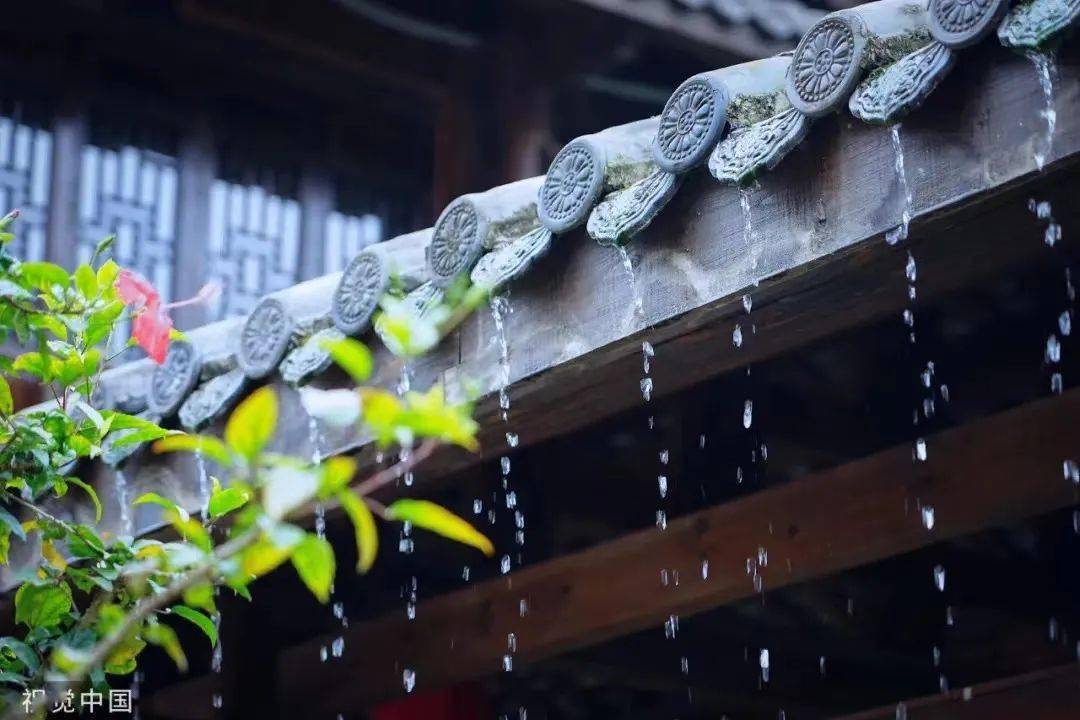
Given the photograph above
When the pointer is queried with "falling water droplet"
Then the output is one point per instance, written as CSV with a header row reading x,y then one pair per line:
x,y
1057,384
1053,629
821,665
935,656
661,519
1072,471
704,569
661,481
665,456
504,564
748,414
763,660
646,389
747,303
920,450
939,578
736,335
408,679
910,269
684,665
671,627
901,711
1065,323
337,648
1053,349
928,516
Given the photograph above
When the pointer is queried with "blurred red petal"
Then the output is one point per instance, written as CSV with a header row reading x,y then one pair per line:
x,y
150,329
136,290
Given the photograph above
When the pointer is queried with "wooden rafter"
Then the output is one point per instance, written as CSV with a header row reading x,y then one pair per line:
x,y
842,518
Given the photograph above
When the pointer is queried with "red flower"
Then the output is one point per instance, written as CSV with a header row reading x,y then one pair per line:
x,y
150,324
151,329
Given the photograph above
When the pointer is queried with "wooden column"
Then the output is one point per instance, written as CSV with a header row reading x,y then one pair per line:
x,y
316,204
70,133
191,266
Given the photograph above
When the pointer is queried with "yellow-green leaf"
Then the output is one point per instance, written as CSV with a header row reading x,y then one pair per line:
x,y
367,536
252,423
86,281
41,605
207,445
439,520
337,472
7,404
89,491
199,620
165,637
314,561
353,357
53,556
224,500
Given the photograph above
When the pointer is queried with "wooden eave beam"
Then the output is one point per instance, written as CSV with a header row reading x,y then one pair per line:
x,y
991,473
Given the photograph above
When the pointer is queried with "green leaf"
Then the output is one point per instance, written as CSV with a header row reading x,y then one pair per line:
x,y
44,275
104,245
89,491
165,637
225,500
12,648
86,281
5,545
155,499
136,437
7,404
252,423
313,559
353,357
106,274
201,596
207,445
42,605
439,520
199,620
367,536
12,523
270,551
337,472
39,365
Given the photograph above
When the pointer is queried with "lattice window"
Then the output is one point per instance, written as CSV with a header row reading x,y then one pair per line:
x,y
254,244
25,171
130,192
346,235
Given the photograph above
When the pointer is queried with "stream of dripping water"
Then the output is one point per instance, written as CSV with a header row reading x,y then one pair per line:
x,y
204,485
123,499
930,389
501,309
410,590
1046,69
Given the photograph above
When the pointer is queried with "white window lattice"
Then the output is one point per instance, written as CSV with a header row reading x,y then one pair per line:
x,y
347,235
253,246
25,172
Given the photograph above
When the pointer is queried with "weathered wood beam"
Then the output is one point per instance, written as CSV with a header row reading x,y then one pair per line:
x,y
831,521
1050,694
822,266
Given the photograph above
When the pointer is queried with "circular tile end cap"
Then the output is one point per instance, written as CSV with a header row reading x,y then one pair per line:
x,y
826,65
456,241
173,380
365,280
572,186
962,23
690,124
264,338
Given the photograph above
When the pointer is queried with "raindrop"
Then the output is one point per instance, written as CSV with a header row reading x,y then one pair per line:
x,y
671,627
664,457
967,693
821,665
701,442
684,665
504,564
504,465
1053,349
747,303
920,450
705,568
928,516
748,414
646,389
910,270
324,653
1065,323
1072,471
337,648
465,573
939,578
901,711
935,654
736,335
909,317
661,519
1057,385
1053,629
511,500
662,482
763,660
216,701
408,679
944,391
508,663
